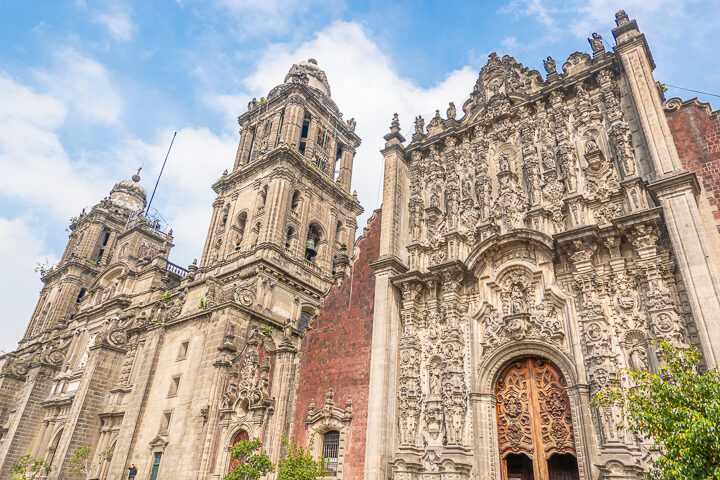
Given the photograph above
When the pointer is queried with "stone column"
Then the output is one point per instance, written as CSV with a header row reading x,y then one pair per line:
x,y
217,207
346,165
24,423
82,426
135,402
487,454
292,122
277,206
283,380
241,156
381,421
675,191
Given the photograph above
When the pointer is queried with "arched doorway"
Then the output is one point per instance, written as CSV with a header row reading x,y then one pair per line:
x,y
535,432
239,437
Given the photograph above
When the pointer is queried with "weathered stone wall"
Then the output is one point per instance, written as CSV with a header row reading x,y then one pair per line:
x,y
336,354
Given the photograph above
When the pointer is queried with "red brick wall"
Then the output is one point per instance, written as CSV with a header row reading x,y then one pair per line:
x,y
696,132
336,354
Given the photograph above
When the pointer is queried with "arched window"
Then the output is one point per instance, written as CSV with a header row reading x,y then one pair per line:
x,y
305,317
314,237
263,197
240,230
80,296
295,202
289,237
50,454
239,437
331,447
338,231
338,157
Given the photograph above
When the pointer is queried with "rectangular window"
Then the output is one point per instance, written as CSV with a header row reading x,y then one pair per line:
x,y
165,422
331,446
174,385
182,354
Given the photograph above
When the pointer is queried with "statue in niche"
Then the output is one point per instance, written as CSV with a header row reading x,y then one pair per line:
x,y
434,200
637,355
504,163
466,187
434,380
517,300
591,146
419,125
548,159
451,113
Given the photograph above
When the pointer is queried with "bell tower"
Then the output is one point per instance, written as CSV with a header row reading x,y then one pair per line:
x,y
93,236
287,204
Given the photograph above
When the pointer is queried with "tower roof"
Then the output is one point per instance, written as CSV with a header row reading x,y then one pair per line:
x,y
309,73
129,194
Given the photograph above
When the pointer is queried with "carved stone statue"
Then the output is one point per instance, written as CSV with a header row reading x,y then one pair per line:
x,y
550,66
596,43
351,124
451,113
419,125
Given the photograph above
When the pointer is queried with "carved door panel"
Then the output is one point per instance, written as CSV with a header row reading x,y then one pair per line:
x,y
534,421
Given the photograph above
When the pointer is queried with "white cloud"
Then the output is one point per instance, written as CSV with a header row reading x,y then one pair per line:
x,y
84,85
272,15
365,86
117,21
22,248
184,196
35,166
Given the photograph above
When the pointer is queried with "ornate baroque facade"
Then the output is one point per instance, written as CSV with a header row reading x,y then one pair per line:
x,y
526,250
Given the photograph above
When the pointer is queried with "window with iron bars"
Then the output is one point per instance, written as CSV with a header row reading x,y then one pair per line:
x,y
331,445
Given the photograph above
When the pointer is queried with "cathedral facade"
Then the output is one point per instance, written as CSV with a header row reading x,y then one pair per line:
x,y
528,247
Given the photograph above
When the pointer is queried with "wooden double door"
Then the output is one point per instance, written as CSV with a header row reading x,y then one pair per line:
x,y
535,430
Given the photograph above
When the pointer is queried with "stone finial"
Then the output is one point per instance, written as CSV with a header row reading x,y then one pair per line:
x,y
225,172
621,18
395,123
330,398
394,136
136,177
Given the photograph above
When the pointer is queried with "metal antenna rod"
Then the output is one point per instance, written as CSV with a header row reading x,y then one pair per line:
x,y
160,175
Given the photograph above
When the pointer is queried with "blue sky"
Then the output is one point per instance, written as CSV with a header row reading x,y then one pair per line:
x,y
90,90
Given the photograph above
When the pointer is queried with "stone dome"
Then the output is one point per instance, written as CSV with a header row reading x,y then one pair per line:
x,y
129,194
308,73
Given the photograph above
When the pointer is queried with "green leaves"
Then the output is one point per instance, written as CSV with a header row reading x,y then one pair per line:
x,y
253,465
678,408
29,468
299,463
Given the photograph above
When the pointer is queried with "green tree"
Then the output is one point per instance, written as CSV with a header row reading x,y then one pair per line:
x,y
81,462
299,463
29,468
678,409
254,462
